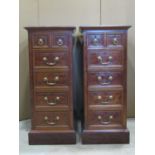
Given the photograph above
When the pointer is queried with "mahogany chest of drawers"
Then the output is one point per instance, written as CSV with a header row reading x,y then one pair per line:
x,y
51,85
105,84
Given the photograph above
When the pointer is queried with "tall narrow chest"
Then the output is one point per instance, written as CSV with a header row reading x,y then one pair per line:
x,y
105,84
51,85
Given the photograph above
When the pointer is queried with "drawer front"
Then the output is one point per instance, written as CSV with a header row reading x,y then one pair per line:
x,y
41,39
61,39
105,97
105,118
51,79
51,120
105,78
51,100
51,59
115,40
105,58
95,40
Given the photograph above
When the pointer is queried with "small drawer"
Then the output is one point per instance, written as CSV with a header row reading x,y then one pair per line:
x,y
60,39
51,120
50,79
51,59
105,97
105,118
115,40
95,40
47,101
105,58
105,78
41,40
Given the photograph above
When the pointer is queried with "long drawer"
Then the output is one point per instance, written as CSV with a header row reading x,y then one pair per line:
x,y
50,78
51,120
106,97
103,119
51,59
50,101
105,78
105,58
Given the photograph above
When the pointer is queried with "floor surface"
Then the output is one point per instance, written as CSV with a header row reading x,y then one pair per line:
x,y
78,149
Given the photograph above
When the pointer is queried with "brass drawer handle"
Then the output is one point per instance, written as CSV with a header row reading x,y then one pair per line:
x,y
100,59
95,41
60,42
105,122
51,123
109,80
56,59
40,42
109,98
56,100
115,41
56,78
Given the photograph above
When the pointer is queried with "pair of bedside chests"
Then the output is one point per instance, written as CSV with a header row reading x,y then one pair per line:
x,y
104,78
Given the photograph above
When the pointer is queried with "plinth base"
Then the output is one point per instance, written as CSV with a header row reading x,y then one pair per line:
x,y
105,136
48,137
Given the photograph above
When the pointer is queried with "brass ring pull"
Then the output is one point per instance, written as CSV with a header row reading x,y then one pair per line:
x,y
108,100
60,42
115,41
109,80
56,100
56,59
105,122
51,83
51,123
100,59
40,42
95,41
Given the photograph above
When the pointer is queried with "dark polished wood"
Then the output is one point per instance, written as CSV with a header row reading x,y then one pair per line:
x,y
103,119
50,79
105,84
105,27
105,137
55,137
104,78
105,98
55,120
34,28
108,58
51,85
51,59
